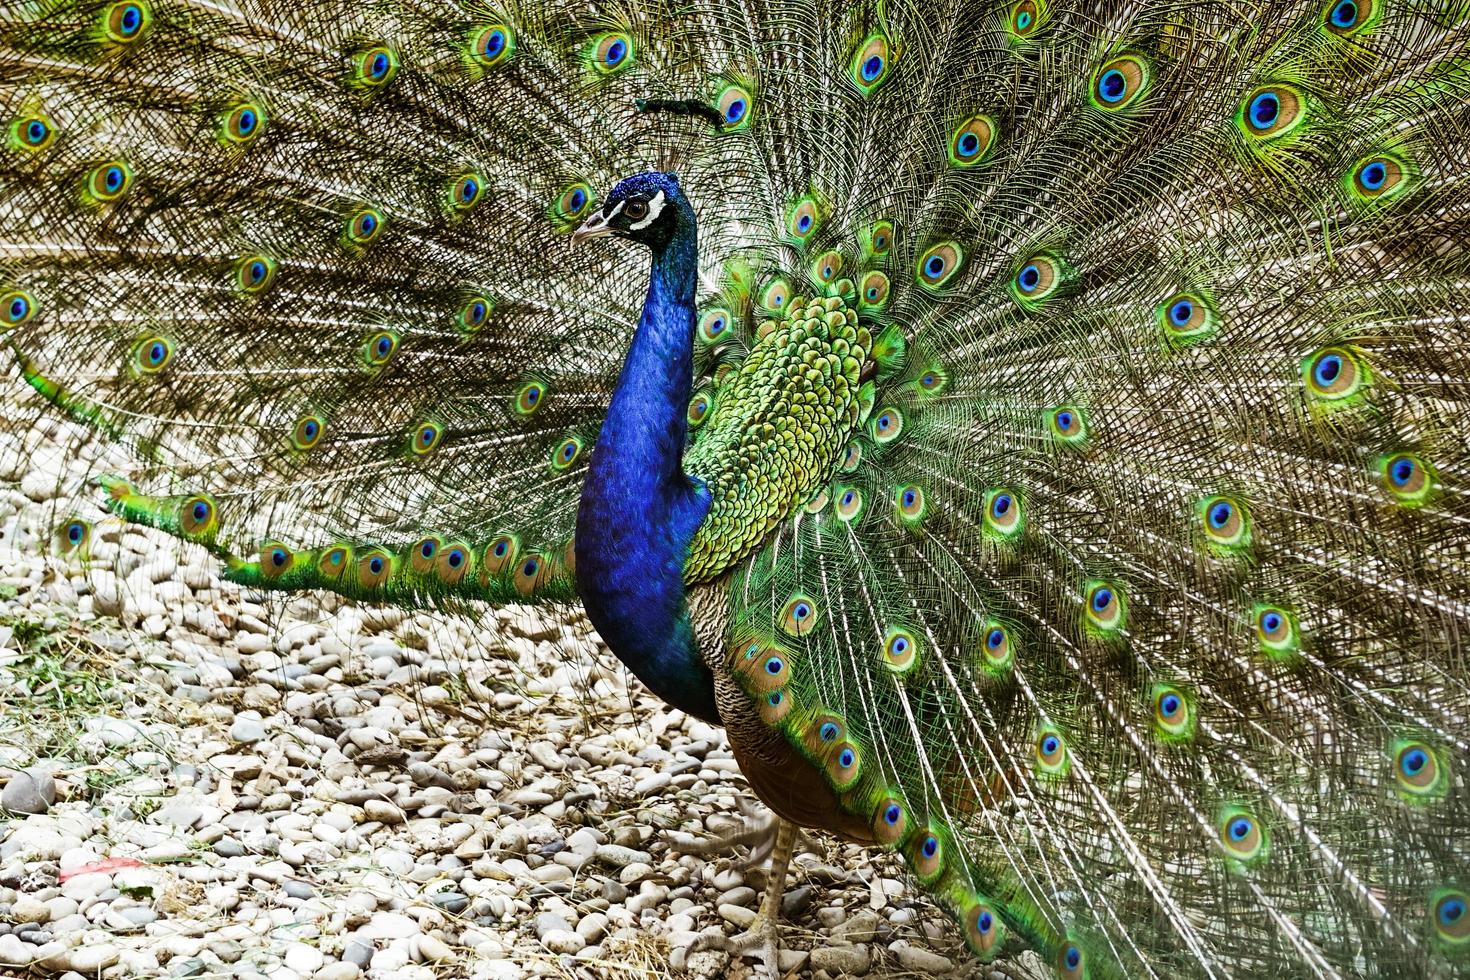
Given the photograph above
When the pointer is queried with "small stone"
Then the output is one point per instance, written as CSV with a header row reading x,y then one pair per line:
x,y
13,952
383,812
841,959
563,941
27,909
737,914
621,857
358,952
451,902
247,731
303,959
920,960
29,791
389,925
861,928
434,950
340,970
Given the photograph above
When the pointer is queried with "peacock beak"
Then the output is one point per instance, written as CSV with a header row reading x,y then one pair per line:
x,y
596,226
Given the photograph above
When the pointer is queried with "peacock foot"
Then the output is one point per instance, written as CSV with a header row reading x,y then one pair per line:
x,y
760,942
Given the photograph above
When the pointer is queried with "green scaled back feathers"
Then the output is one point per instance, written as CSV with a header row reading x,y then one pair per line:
x,y
1103,542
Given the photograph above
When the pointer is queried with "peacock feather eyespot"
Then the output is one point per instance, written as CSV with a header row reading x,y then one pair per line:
x,y
972,141
363,228
198,516
803,218
455,560
1037,279
911,504
611,53
254,273
152,354
379,348
736,106
109,182
983,930
1347,18
873,292
1068,425
932,380
374,568
32,133
500,554
715,326
1408,478
1449,914
473,315
1049,752
1186,318
1225,523
926,855
827,267
1244,838
276,559
1105,608
775,295
425,438
333,562
844,765
374,67
1003,518
775,707
572,203
566,453
1173,713
1071,961
423,552
126,22
492,45
16,307
1334,377
871,64
849,504
531,572
762,667
531,396
885,425
901,652
1377,178
800,615
1026,18
308,432
700,407
1120,83
1277,634
1270,112
890,822
72,536
939,265
852,458
242,124
877,239
464,192
997,654
1420,773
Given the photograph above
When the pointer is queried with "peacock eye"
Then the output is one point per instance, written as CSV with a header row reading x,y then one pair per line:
x,y
635,209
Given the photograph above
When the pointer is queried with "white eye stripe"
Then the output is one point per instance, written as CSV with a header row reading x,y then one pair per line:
x,y
655,205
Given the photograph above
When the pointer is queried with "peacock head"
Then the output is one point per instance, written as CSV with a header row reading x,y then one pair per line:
x,y
648,208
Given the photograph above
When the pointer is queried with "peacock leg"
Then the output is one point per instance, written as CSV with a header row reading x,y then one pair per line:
x,y
761,940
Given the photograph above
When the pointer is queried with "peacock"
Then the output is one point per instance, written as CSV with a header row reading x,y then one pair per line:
x,y
1035,431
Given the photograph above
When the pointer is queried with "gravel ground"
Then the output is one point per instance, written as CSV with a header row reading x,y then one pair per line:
x,y
201,781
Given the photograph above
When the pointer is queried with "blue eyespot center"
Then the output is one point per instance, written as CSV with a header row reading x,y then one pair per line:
x,y
1265,109
1074,957
616,52
1181,312
1029,278
1050,744
1271,622
986,920
1023,20
500,549
74,533
113,178
1001,505
18,309
131,19
375,565
804,222
427,549
846,759
456,558
579,198
1328,369
257,271
494,43
35,131
908,498
775,665
278,557
379,65
1345,14
996,638
1451,910
930,846
934,267
892,815
1402,471
1374,175
1169,704
828,731
1220,515
201,511
1064,419
384,345
847,498
1112,86
247,121
568,451
900,644
1102,599
802,610
529,568
156,352
735,111
872,68
468,190
1414,761
1240,829
969,145
775,699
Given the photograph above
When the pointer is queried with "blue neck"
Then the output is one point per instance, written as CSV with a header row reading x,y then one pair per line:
x,y
639,511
